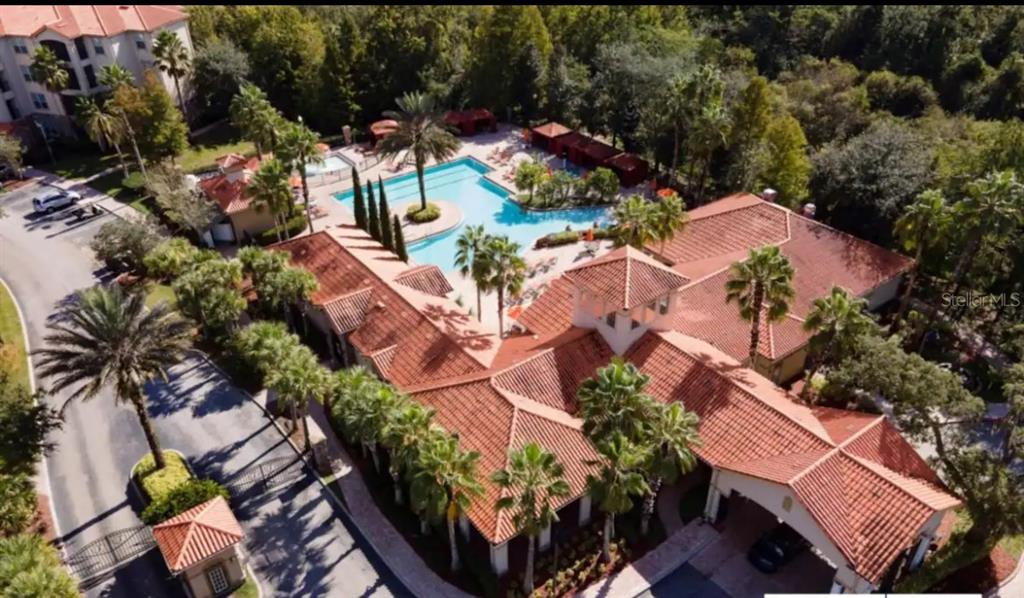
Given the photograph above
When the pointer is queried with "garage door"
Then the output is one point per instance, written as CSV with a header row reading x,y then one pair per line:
x,y
223,233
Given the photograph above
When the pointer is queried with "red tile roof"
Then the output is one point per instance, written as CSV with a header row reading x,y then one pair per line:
x,y
626,162
100,20
229,188
197,534
551,129
427,279
625,278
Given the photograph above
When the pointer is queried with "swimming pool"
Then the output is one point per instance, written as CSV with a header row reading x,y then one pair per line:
x,y
462,183
332,163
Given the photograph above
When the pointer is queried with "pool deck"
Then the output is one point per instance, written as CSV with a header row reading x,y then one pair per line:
x,y
451,216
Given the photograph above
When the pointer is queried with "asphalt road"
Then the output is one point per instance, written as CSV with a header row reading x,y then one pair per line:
x,y
685,582
298,545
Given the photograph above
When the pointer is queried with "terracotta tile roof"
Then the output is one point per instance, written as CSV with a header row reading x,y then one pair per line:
x,y
428,338
552,311
197,534
881,443
73,21
551,129
841,424
228,161
348,312
625,278
427,279
230,195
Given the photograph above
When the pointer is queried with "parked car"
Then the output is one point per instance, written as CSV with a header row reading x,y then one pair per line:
x,y
776,548
54,199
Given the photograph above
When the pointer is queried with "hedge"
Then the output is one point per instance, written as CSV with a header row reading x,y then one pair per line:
x,y
295,225
420,215
183,497
566,237
157,484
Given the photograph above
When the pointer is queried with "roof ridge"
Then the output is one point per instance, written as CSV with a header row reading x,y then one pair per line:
x,y
870,466
728,211
518,401
814,465
348,295
843,233
856,435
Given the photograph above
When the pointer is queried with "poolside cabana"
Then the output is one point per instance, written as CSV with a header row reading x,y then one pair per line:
x,y
594,153
570,146
543,136
471,122
631,168
381,129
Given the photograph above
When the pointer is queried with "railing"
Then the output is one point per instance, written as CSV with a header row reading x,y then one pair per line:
x,y
107,553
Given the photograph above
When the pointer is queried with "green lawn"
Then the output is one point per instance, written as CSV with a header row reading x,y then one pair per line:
x,y
247,589
156,293
79,164
113,185
216,142
12,340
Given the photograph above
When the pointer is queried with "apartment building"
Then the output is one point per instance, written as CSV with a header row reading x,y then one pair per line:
x,y
86,38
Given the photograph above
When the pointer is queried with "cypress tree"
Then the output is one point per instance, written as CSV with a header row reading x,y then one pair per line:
x,y
373,220
400,251
358,203
385,218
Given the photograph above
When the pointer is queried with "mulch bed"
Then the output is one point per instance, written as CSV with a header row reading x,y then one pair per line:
x,y
980,576
42,523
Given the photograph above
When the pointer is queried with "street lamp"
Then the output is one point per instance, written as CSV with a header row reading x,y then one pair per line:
x,y
46,140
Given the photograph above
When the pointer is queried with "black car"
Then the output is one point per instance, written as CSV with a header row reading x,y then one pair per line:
x,y
776,548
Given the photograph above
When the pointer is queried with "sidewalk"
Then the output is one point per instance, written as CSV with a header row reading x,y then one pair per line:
x,y
638,577
399,557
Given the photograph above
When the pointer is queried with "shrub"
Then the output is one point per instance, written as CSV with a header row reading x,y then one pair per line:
x,y
17,503
172,257
123,244
603,184
183,497
158,483
420,215
293,226
566,237
31,567
133,181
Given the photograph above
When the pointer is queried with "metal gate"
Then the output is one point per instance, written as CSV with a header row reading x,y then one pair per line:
x,y
266,476
107,553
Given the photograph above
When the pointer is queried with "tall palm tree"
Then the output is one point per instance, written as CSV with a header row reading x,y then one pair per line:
x,y
109,338
262,343
370,413
48,70
836,321
172,58
253,115
298,150
348,387
669,217
532,482
619,478
116,77
613,401
270,190
762,286
102,126
422,131
994,207
297,377
921,228
634,222
469,259
445,484
672,434
404,435
505,272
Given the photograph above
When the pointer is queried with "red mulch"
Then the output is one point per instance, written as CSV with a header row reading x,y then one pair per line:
x,y
42,523
979,576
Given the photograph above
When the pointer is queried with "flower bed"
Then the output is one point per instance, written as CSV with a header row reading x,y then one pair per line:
x,y
173,489
158,483
421,215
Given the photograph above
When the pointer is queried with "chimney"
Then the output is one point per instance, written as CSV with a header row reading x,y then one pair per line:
x,y
809,210
769,194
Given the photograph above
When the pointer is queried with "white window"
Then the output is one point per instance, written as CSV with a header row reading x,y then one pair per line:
x,y
26,73
39,101
218,579
97,46
20,45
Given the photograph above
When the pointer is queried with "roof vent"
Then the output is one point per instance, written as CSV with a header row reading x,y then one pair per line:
x,y
809,210
769,194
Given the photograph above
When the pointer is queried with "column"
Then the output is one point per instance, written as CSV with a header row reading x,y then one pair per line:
x,y
545,538
585,509
714,496
499,558
837,588
920,551
464,526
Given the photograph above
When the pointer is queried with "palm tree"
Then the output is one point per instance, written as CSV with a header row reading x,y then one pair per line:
x,y
298,150
296,377
613,401
50,72
618,480
762,286
116,77
634,220
836,321
672,434
370,409
109,338
262,343
172,58
422,131
404,435
348,388
270,190
921,228
469,259
445,484
669,217
253,115
993,208
505,272
102,126
537,480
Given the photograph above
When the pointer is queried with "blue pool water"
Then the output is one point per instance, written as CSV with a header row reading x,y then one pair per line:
x,y
462,183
